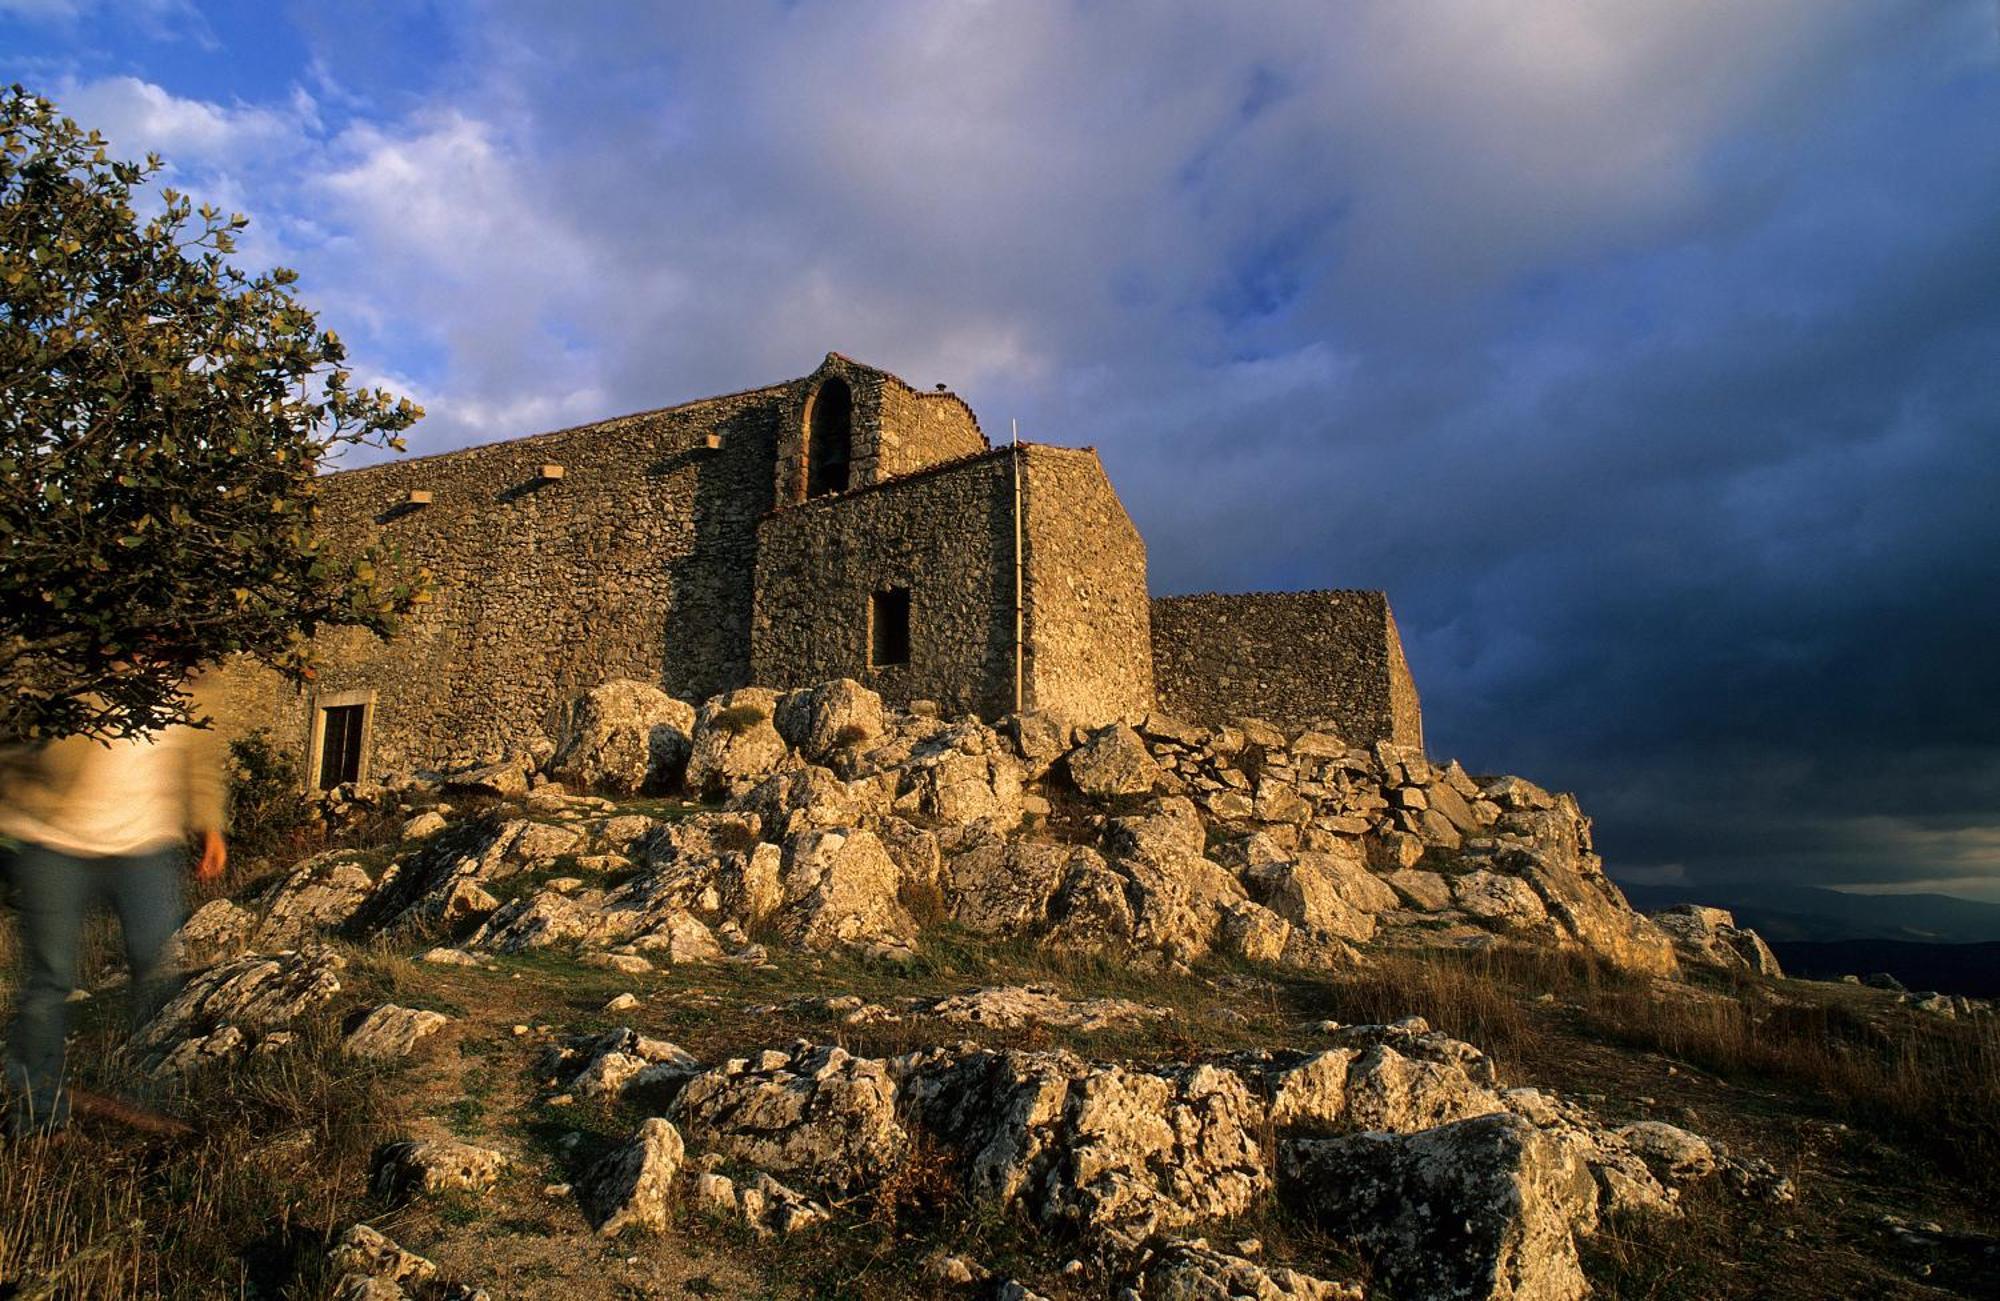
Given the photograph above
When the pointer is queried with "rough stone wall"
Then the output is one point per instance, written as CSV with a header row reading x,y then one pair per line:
x,y
1293,658
633,564
1089,638
943,534
920,430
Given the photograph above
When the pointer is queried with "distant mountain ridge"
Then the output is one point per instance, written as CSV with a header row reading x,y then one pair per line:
x,y
1784,913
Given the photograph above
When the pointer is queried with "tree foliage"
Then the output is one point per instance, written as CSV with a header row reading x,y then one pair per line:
x,y
163,420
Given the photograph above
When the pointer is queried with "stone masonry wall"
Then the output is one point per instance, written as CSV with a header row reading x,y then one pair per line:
x,y
633,564
942,534
1089,619
896,430
1292,658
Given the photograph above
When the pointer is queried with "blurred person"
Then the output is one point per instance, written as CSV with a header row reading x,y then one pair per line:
x,y
84,821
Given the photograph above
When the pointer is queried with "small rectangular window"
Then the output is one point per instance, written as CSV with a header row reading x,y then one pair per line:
x,y
341,728
889,627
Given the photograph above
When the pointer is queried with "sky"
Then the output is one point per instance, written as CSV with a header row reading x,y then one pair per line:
x,y
1645,354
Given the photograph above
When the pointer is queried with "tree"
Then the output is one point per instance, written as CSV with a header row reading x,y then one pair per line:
x,y
163,420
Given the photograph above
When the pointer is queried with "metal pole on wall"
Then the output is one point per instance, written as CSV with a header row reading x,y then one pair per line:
x,y
1019,621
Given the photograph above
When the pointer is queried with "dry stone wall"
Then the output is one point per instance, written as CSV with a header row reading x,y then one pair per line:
x,y
631,565
1295,658
945,536
1089,640
895,430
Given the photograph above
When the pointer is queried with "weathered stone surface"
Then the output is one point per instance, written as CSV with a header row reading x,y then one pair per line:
x,y
840,888
1011,1007
609,1064
507,779
1113,762
735,744
320,894
1112,1150
1670,1152
1425,891
436,1166
218,929
815,1112
389,1032
1041,737
822,719
1303,895
1192,1271
217,1014
624,737
1710,937
1504,902
1006,887
1515,1199
767,1207
1252,931
633,1185
424,825
366,1253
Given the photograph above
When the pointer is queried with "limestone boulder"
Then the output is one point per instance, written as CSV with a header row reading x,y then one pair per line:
x,y
611,1064
1091,911
1303,894
221,1012
1006,887
624,737
632,1186
218,929
1253,932
815,1112
1041,737
821,720
364,1254
1113,763
1192,1271
760,1203
389,1032
1506,903
1710,937
319,895
436,1166
1516,1200
1114,1151
839,888
504,779
736,744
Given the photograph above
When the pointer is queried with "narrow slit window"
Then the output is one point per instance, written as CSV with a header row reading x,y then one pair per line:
x,y
889,627
341,728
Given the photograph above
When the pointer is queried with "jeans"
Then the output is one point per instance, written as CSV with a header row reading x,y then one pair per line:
x,y
53,892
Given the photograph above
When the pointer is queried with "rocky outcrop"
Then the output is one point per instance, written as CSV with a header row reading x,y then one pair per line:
x,y
1710,937
436,1166
624,738
389,1032
815,1112
632,1186
1191,1271
736,744
1113,762
1515,1199
225,1011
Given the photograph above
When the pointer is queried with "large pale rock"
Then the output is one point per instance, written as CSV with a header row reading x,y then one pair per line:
x,y
633,1185
1305,895
1114,762
389,1032
365,1253
830,716
1710,937
964,774
1549,848
617,1062
318,895
1108,1149
1484,1208
624,737
1006,887
1505,903
221,1011
840,888
1014,1007
436,1166
799,799
1041,737
735,743
815,1112
218,929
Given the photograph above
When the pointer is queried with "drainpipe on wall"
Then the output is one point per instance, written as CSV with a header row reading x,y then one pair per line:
x,y
1020,649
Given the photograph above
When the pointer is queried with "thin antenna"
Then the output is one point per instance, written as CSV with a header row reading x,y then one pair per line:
x,y
1017,431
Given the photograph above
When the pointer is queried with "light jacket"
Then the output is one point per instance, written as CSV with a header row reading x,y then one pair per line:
x,y
83,796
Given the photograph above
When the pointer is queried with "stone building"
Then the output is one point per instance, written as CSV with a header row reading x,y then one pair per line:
x,y
840,525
